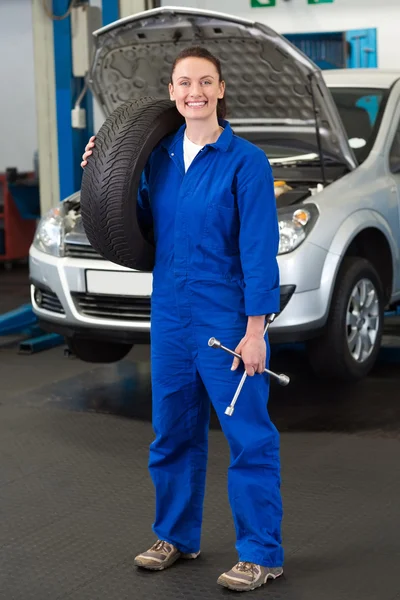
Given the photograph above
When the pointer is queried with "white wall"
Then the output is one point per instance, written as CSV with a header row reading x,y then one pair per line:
x,y
18,133
296,16
18,137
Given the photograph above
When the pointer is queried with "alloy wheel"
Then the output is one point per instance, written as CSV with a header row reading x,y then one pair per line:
x,y
362,320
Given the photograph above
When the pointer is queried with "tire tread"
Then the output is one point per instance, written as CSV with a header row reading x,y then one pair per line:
x,y
107,192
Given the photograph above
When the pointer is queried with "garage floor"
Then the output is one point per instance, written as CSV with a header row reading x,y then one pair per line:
x,y
14,286
77,503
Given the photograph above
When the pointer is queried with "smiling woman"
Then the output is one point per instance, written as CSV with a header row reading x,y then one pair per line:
x,y
198,89
209,197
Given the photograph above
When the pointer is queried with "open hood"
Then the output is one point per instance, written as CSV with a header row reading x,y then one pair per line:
x,y
270,83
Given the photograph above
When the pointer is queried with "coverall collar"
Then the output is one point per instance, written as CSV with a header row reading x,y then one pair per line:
x,y
222,143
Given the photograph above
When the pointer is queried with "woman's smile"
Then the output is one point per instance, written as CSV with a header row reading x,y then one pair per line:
x,y
196,104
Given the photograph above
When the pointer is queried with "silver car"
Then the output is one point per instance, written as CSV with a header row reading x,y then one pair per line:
x,y
333,139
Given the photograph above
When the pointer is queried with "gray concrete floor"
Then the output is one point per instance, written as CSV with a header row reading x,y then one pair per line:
x,y
78,502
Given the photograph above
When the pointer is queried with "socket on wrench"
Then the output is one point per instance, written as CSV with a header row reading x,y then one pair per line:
x,y
282,379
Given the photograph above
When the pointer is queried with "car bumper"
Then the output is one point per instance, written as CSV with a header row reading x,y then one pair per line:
x,y
69,307
67,304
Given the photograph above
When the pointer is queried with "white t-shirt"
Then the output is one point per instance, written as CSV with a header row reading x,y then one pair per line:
x,y
190,151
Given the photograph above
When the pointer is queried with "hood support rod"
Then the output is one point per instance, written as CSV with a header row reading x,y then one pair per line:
x,y
317,129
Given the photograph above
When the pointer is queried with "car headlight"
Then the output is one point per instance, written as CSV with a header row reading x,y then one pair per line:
x,y
294,226
49,233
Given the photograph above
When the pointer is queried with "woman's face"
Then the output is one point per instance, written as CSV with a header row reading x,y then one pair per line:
x,y
196,88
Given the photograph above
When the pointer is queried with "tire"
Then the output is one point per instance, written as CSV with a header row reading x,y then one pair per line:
x,y
330,355
95,351
112,176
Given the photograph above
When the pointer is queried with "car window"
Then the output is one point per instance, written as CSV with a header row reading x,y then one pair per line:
x,y
394,156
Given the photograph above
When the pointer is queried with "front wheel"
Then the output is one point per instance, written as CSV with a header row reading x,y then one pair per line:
x,y
350,344
97,351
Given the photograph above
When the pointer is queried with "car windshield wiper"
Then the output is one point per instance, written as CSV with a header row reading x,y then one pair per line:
x,y
305,160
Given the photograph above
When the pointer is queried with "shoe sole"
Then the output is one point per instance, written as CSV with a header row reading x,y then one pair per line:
x,y
231,586
164,565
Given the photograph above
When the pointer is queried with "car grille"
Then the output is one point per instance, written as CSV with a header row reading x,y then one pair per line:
x,y
48,301
132,308
81,251
121,308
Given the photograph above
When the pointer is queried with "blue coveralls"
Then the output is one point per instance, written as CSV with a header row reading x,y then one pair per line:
x,y
216,240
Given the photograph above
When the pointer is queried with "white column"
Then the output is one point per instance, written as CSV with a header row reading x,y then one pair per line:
x,y
45,107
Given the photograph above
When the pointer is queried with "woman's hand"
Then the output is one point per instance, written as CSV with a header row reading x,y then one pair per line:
x,y
253,351
88,151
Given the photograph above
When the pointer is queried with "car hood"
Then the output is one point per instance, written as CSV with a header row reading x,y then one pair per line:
x,y
270,83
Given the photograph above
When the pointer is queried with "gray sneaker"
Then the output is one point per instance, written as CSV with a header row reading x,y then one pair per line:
x,y
246,576
161,556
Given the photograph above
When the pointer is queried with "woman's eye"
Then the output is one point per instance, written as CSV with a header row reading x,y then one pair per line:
x,y
207,82
184,82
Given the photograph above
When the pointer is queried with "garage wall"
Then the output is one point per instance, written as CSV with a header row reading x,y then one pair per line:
x,y
296,16
18,123
18,137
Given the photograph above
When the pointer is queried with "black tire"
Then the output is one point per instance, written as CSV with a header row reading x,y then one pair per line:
x,y
96,351
111,178
329,354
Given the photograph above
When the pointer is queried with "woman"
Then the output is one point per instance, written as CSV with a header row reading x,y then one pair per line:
x,y
211,197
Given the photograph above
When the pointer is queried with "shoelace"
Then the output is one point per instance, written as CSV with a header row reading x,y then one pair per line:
x,y
160,545
246,567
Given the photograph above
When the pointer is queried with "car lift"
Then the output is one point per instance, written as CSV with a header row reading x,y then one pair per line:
x,y
58,86
23,321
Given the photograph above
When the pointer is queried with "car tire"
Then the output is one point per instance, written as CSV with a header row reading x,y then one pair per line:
x,y
111,178
337,353
96,351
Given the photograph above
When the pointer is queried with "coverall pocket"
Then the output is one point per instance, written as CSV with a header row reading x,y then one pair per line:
x,y
221,229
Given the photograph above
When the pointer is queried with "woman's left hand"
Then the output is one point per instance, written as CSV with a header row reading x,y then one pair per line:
x,y
253,351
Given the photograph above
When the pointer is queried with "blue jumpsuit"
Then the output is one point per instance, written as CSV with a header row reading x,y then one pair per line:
x,y
216,240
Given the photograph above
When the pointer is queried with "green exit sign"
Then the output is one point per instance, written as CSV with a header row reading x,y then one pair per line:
x,y
262,3
320,1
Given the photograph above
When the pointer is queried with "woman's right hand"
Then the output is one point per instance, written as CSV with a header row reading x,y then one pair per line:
x,y
88,151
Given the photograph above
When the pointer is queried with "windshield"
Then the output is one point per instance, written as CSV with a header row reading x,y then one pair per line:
x,y
358,108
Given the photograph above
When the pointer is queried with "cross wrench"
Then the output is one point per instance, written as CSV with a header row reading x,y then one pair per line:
x,y
282,379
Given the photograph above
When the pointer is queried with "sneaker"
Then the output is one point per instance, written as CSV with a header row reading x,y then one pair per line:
x,y
161,556
246,576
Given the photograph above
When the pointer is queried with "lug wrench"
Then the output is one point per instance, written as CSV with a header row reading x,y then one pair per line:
x,y
282,379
